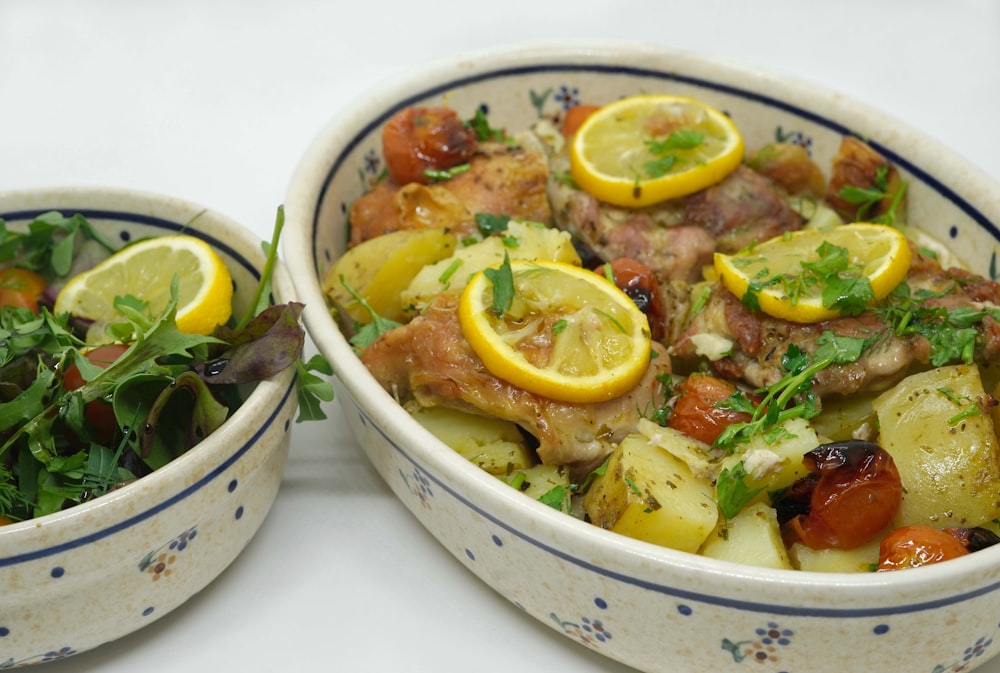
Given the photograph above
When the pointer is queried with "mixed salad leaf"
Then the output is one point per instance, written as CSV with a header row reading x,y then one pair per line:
x,y
167,389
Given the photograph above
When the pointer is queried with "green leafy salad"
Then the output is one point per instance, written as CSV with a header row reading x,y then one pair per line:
x,y
79,420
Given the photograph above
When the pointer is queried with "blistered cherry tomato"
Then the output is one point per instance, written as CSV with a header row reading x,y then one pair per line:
x,y
639,282
856,491
914,546
99,414
695,413
575,116
418,139
21,288
974,539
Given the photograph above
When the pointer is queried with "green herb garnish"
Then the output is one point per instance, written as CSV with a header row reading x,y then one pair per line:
x,y
484,132
732,492
502,279
867,198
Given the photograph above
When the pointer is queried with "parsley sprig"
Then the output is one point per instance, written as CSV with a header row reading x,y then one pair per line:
x,y
842,284
366,335
775,408
731,491
665,151
953,334
484,132
867,198
502,279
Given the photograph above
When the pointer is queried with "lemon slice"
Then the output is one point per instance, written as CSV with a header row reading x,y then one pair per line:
x,y
569,334
641,150
145,270
796,276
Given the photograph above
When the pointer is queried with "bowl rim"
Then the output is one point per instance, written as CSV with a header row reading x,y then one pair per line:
x,y
312,177
115,203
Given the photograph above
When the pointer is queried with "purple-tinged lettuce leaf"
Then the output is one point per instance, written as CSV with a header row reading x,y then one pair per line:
x,y
271,342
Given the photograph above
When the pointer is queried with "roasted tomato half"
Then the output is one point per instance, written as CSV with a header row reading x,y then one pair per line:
x,y
419,139
851,495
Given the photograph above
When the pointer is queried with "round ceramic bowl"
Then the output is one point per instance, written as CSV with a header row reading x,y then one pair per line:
x,y
646,606
98,571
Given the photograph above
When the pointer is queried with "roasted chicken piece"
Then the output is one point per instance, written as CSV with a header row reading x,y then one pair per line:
x,y
758,341
857,166
678,237
428,360
501,179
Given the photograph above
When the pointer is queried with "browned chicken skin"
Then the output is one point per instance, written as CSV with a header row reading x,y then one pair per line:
x,y
760,341
501,179
428,360
678,237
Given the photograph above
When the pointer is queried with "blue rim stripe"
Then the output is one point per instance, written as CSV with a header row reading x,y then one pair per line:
x,y
676,592
920,174
159,507
150,220
925,177
169,225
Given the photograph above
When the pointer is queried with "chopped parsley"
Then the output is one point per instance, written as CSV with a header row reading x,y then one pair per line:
x,y
502,279
767,417
484,132
867,198
842,284
732,492
953,334
489,224
663,150
442,174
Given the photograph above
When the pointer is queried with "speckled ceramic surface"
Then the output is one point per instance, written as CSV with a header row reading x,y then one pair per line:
x,y
74,580
649,607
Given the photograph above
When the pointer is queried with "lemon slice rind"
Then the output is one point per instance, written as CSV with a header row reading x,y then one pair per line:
x,y
882,251
608,152
602,347
145,270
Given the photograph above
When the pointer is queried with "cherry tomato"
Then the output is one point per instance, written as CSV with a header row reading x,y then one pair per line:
x,y
639,282
21,288
99,414
974,539
695,413
914,546
417,139
575,116
856,491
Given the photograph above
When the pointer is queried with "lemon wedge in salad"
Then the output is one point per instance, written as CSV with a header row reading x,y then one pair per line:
x,y
145,270
644,149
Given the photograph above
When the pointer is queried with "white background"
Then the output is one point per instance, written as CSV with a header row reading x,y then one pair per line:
x,y
214,101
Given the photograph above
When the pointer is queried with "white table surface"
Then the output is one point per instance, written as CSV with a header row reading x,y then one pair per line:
x,y
214,101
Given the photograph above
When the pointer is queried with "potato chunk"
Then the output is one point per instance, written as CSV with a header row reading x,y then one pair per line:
x,y
775,466
943,443
381,268
649,494
857,560
495,445
523,240
752,537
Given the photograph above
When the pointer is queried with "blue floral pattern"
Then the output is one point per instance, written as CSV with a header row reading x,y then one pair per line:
x,y
590,631
419,485
159,562
764,647
51,655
